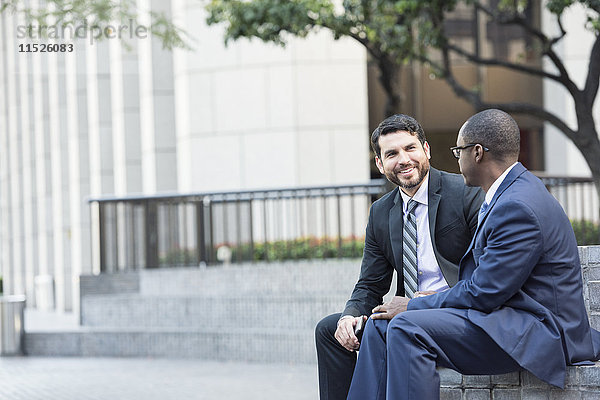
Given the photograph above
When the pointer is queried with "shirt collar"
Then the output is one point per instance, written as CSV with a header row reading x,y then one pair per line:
x,y
420,197
494,188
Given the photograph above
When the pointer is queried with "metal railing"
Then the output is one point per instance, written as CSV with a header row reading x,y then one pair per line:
x,y
579,199
136,232
577,195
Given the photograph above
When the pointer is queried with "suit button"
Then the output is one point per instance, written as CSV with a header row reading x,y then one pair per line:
x,y
420,272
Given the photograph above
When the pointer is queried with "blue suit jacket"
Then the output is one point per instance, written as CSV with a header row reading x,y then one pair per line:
x,y
521,281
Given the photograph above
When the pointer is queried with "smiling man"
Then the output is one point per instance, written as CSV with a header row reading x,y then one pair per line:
x,y
420,230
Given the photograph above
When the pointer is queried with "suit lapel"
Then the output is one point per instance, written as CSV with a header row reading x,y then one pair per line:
x,y
396,225
434,197
514,173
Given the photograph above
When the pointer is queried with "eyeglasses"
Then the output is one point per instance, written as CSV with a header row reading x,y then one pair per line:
x,y
456,150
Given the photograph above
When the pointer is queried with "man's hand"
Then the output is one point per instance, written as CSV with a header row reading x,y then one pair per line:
x,y
390,309
345,333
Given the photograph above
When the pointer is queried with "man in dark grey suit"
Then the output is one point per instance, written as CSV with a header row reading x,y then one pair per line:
x,y
442,211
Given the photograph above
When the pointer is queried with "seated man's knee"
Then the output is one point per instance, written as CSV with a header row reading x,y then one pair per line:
x,y
326,327
375,326
400,322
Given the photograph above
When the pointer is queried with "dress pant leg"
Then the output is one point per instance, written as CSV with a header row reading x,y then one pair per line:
x,y
421,340
370,374
335,363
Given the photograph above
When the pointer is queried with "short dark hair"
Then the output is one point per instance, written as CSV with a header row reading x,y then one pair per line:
x,y
396,123
495,130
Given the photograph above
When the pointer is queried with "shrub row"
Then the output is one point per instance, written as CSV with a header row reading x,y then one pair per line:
x,y
586,232
280,250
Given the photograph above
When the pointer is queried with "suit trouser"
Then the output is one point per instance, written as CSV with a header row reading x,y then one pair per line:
x,y
336,364
398,358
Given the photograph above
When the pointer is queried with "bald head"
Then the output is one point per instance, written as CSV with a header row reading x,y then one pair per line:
x,y
495,130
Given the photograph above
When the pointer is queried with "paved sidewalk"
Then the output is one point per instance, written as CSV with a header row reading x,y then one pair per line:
x,y
39,378
29,378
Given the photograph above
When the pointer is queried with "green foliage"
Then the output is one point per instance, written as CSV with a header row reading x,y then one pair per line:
x,y
279,250
512,5
178,256
304,248
558,6
384,27
586,232
269,19
592,8
399,30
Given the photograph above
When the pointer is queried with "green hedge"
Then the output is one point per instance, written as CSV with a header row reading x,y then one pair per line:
x,y
178,257
303,248
280,250
586,232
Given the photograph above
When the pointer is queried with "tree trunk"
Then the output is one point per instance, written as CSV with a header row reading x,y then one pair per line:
x,y
389,77
591,154
587,140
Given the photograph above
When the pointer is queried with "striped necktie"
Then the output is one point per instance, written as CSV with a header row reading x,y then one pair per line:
x,y
482,211
409,251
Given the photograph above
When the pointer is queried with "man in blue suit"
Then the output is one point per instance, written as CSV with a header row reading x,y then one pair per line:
x,y
518,303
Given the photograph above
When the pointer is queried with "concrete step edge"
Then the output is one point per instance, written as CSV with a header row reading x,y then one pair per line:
x,y
159,330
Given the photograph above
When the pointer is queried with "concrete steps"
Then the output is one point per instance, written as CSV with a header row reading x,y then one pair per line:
x,y
278,312
316,277
262,313
253,345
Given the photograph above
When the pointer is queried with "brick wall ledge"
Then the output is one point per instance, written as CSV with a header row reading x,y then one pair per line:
x,y
582,383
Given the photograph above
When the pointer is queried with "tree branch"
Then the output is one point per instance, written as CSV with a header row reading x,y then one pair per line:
x,y
539,113
371,48
388,73
547,43
563,32
517,67
515,19
475,99
469,95
592,81
565,78
594,6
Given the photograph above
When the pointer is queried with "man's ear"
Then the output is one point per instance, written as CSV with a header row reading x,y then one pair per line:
x,y
379,165
427,150
478,152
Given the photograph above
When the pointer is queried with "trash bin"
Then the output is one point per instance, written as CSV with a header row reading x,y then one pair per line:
x,y
12,331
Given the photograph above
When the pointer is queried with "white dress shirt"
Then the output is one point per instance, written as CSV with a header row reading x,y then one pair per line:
x,y
494,188
430,275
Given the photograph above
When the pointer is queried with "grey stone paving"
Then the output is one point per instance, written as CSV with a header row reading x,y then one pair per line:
x,y
33,378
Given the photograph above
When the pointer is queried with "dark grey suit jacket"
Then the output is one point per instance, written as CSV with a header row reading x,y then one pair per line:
x,y
453,210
